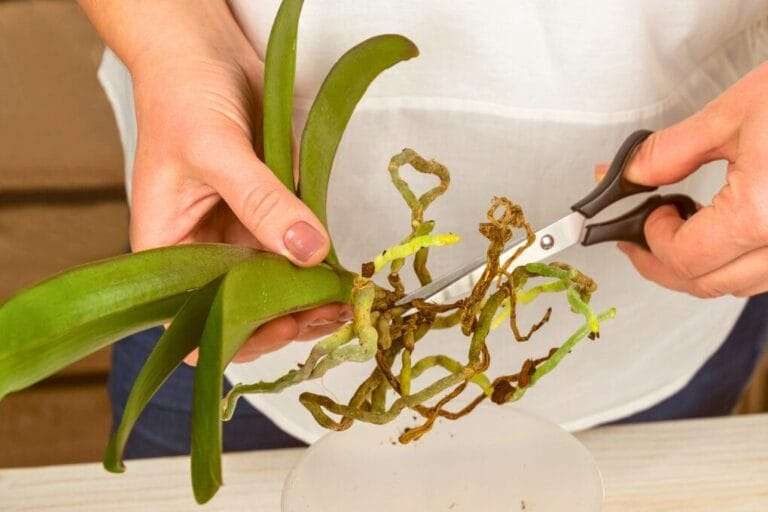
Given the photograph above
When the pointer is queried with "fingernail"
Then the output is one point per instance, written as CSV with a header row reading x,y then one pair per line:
x,y
346,315
321,322
303,241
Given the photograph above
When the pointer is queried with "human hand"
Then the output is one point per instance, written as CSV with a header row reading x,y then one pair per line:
x,y
197,176
723,248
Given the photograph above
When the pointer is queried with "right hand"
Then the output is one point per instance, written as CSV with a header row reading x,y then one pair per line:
x,y
197,177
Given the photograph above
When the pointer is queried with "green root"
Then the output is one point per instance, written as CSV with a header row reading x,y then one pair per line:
x,y
400,251
565,349
305,371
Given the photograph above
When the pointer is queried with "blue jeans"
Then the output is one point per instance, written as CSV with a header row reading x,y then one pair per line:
x,y
164,427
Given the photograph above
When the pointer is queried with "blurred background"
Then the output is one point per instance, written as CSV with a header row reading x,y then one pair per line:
x,y
62,203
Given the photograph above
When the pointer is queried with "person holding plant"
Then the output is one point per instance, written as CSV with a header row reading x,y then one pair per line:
x,y
516,98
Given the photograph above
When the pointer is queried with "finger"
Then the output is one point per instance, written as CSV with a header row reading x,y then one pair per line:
x,y
319,331
600,171
236,233
160,214
751,291
304,325
192,358
325,314
321,321
699,245
275,216
262,343
745,276
221,225
671,154
653,269
269,337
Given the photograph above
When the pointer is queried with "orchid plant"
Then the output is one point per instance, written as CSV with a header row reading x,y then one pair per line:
x,y
215,296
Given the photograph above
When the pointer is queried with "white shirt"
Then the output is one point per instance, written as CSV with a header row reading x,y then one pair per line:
x,y
519,99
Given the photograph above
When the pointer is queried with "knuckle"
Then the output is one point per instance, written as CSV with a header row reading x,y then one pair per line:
x,y
680,266
746,209
701,293
647,154
259,205
713,123
704,290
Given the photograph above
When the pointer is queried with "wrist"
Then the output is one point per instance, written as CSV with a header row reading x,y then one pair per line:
x,y
153,34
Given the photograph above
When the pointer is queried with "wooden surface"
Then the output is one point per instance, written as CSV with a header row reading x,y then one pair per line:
x,y
695,465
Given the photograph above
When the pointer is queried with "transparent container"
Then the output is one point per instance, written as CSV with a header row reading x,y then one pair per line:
x,y
496,459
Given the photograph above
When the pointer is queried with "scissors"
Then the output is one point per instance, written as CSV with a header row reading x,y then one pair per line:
x,y
573,228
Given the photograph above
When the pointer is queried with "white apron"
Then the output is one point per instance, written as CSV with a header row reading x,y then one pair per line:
x,y
520,99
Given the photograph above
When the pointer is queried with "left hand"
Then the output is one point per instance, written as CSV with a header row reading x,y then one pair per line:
x,y
723,248
197,177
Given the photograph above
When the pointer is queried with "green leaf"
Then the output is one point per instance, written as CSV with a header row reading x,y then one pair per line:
x,y
67,317
179,339
251,294
341,91
279,75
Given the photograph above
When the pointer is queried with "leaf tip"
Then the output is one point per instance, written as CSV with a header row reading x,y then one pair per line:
x,y
205,491
114,467
410,49
414,50
112,457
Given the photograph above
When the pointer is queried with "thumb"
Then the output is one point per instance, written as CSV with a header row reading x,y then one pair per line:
x,y
274,215
669,155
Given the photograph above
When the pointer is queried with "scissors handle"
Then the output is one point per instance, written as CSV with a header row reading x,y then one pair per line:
x,y
614,186
630,227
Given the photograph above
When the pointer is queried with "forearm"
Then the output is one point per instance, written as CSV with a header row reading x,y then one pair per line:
x,y
143,31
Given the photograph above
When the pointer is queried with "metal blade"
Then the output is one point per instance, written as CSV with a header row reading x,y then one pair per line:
x,y
549,241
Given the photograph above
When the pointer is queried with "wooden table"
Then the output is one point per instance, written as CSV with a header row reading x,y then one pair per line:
x,y
695,465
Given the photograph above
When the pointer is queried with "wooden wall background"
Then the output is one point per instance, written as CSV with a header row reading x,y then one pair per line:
x,y
61,203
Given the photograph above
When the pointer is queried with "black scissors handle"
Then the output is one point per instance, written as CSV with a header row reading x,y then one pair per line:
x,y
629,227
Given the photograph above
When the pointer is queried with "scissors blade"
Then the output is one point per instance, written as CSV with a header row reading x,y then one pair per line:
x,y
549,241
